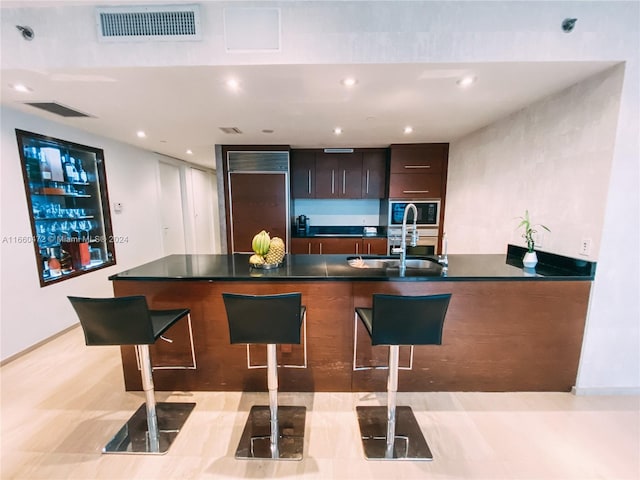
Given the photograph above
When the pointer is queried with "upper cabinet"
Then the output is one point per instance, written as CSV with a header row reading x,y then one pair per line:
x,y
338,175
302,171
418,170
374,173
359,174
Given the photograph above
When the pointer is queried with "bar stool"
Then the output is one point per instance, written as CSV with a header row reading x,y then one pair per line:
x,y
271,432
128,321
392,433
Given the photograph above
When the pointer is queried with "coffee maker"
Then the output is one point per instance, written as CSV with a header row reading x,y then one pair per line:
x,y
302,224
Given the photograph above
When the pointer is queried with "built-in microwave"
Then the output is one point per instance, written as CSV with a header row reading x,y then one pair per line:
x,y
428,212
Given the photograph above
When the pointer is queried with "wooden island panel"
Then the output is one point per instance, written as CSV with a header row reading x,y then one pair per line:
x,y
498,336
222,366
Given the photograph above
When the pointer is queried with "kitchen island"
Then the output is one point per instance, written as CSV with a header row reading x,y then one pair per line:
x,y
507,328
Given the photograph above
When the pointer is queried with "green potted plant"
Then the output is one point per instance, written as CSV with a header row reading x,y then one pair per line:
x,y
530,258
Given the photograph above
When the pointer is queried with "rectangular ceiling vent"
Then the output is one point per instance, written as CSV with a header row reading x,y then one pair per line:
x,y
338,150
157,22
58,109
231,130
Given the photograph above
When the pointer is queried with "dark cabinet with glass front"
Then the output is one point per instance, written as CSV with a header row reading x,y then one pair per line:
x,y
66,192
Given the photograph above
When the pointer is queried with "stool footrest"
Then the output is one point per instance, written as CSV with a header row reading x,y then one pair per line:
x,y
409,442
133,437
256,436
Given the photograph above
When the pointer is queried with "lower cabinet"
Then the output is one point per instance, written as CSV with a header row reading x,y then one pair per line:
x,y
357,246
374,246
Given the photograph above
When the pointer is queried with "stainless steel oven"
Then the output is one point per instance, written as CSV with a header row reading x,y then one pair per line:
x,y
427,241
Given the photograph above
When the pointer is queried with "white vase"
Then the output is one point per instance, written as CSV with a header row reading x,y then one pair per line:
x,y
530,259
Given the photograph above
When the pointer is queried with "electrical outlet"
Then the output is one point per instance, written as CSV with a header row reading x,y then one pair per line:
x,y
585,247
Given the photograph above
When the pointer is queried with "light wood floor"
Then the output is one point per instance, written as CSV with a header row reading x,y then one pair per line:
x,y
62,402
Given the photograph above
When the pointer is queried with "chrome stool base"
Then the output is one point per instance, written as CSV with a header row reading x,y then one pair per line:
x,y
256,437
409,442
133,437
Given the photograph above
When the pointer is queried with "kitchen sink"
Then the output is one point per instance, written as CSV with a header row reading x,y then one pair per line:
x,y
392,262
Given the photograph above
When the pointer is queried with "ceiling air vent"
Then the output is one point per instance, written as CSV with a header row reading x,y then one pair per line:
x,y
58,109
231,130
159,22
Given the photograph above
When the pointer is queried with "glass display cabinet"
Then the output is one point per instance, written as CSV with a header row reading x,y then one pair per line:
x,y
66,190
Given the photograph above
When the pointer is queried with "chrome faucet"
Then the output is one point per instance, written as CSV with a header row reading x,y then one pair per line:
x,y
402,249
444,259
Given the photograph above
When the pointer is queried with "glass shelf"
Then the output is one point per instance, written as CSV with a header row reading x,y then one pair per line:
x,y
65,183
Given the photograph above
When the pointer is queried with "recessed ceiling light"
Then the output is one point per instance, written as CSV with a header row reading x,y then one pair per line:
x,y
19,87
466,81
349,81
233,84
141,134
408,129
189,152
337,130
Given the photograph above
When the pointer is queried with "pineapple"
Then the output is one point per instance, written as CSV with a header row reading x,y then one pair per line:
x,y
276,251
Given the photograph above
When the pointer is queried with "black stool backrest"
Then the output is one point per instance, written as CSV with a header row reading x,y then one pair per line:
x,y
114,321
264,318
408,320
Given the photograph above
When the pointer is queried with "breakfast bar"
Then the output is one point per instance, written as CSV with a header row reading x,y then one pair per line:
x,y
507,328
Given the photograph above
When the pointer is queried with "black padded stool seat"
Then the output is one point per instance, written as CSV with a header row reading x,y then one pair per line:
x,y
271,432
392,433
128,321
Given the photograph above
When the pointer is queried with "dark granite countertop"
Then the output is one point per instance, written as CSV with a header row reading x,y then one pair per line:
x,y
339,232
335,267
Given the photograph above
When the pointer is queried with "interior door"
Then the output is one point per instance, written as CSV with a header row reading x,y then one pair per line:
x,y
204,210
171,210
259,201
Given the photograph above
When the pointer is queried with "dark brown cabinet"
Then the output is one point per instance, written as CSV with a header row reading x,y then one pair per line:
x,y
374,173
374,246
418,170
359,174
338,175
302,166
325,245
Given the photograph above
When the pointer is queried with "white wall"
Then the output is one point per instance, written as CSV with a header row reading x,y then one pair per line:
x,y
552,158
431,31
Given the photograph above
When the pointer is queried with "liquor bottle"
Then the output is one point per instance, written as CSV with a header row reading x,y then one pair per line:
x,y
76,175
55,268
66,263
70,170
45,168
82,172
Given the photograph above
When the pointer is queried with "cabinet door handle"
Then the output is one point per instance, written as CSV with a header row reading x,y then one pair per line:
x,y
320,248
357,245
344,180
368,248
333,181
309,248
309,181
415,191
417,166
367,190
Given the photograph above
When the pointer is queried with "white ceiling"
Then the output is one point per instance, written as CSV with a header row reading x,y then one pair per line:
x,y
182,108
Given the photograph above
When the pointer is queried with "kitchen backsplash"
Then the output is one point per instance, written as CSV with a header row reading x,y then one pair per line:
x,y
338,212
